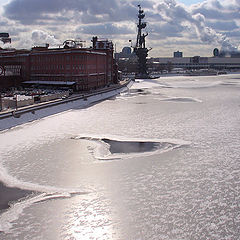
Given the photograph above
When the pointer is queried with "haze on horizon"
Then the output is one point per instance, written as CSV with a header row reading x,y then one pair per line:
x,y
194,27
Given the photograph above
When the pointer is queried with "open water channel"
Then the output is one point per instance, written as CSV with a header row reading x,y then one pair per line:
x,y
160,161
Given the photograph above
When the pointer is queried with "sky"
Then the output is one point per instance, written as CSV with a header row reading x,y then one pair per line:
x,y
194,27
190,2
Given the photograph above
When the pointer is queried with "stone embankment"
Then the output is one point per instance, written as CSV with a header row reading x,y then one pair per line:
x,y
33,112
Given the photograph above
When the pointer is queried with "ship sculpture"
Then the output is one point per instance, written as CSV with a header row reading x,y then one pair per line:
x,y
140,49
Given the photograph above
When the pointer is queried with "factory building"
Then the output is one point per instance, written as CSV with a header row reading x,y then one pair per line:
x,y
82,69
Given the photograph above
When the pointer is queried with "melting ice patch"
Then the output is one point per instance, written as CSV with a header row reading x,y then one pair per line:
x,y
115,148
140,87
16,208
190,84
42,193
231,83
181,99
133,93
147,83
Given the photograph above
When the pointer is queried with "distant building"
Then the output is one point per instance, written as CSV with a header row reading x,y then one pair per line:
x,y
4,37
177,54
199,60
235,54
125,53
215,52
196,62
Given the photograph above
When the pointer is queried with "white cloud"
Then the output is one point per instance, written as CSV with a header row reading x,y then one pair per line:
x,y
105,29
210,24
40,37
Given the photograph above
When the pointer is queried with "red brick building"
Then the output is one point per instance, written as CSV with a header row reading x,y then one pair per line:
x,y
82,68
13,67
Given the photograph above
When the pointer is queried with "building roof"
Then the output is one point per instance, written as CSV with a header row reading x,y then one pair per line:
x,y
67,51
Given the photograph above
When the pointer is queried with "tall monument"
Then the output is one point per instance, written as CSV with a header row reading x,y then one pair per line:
x,y
140,49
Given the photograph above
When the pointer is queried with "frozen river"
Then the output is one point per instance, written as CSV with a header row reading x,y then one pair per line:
x,y
161,161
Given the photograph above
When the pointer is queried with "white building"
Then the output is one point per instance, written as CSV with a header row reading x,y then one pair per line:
x,y
198,62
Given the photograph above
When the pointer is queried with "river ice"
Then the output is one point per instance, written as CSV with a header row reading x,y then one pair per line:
x,y
183,184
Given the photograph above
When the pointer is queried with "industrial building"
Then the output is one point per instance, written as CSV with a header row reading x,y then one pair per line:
x,y
72,66
196,62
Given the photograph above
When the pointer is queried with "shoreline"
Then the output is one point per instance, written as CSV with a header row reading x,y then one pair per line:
x,y
31,113
74,97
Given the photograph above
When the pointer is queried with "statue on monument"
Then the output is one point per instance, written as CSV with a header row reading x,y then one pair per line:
x,y
142,40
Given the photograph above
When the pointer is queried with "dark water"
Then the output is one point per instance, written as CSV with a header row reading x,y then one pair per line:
x,y
8,195
130,147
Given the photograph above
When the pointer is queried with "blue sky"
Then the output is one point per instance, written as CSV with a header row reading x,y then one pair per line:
x,y
195,27
3,2
190,2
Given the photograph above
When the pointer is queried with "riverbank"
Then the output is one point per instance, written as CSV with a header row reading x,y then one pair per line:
x,y
12,118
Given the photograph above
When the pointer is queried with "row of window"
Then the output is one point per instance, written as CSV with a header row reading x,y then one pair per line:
x,y
55,58
68,67
59,67
74,78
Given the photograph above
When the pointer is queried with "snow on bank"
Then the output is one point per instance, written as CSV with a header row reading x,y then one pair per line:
x,y
36,114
